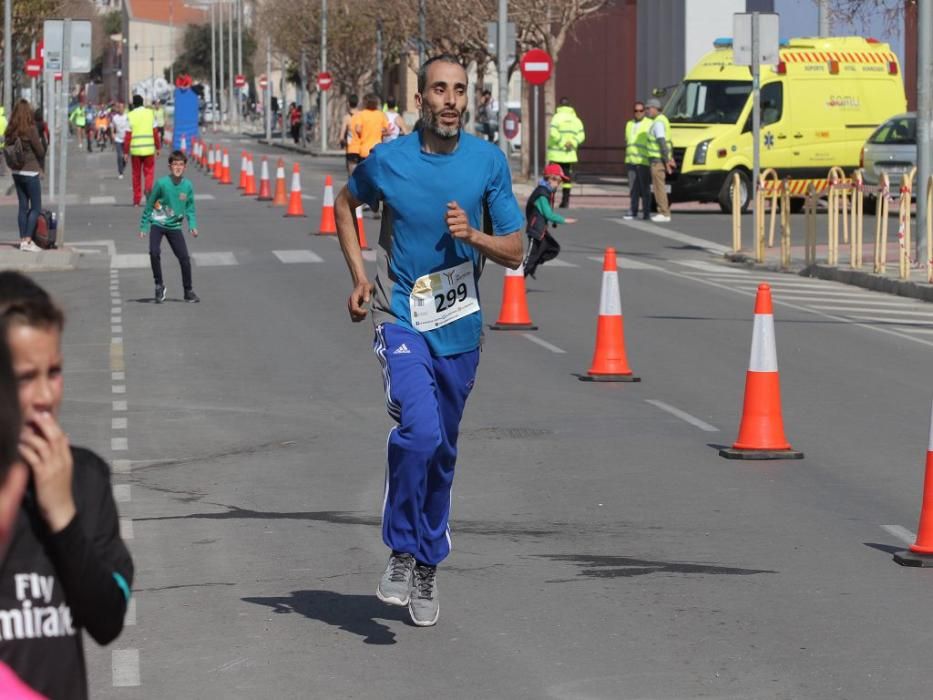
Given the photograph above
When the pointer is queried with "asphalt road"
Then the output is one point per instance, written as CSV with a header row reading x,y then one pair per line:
x,y
602,548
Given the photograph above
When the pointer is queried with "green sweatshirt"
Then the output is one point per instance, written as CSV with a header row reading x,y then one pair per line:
x,y
544,208
175,202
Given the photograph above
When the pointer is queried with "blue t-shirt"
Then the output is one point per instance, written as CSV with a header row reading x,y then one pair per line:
x,y
414,239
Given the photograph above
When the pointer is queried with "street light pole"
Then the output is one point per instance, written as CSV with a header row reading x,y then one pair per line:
x,y
502,59
239,55
213,72
171,41
233,101
323,119
267,93
221,84
924,120
824,28
7,56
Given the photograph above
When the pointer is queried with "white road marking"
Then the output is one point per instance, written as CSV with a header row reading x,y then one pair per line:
x,y
544,344
124,666
626,263
118,444
559,263
297,256
219,259
720,269
129,619
203,197
825,294
901,533
116,329
106,199
308,196
121,493
914,329
118,423
118,388
119,405
126,528
125,261
888,319
903,304
122,466
891,313
118,376
683,415
670,234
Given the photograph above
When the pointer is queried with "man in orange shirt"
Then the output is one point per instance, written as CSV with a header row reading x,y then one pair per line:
x,y
347,139
369,125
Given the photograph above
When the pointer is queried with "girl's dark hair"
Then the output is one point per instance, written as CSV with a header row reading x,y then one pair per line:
x,y
23,302
21,121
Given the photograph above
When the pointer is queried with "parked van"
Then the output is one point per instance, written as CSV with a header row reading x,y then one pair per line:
x,y
818,106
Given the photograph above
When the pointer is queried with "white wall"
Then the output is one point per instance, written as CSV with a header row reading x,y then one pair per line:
x,y
706,20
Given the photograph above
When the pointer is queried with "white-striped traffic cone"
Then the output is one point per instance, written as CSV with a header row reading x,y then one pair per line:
x,y
921,551
610,362
761,432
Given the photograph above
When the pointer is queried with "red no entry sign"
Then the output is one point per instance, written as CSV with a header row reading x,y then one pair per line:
x,y
510,125
33,67
263,82
325,80
239,81
536,66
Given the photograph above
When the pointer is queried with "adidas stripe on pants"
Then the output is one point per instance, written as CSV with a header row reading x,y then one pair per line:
x,y
425,395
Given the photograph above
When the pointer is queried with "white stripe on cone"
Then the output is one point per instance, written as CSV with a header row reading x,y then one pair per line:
x,y
243,163
610,299
280,172
520,272
359,213
265,170
249,168
329,196
226,160
764,350
296,182
930,446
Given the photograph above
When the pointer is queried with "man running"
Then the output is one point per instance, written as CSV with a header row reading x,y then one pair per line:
x,y
435,185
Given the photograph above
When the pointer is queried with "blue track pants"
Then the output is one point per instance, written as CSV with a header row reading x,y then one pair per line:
x,y
425,395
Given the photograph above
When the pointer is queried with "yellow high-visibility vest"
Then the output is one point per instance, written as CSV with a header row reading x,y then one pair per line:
x,y
142,122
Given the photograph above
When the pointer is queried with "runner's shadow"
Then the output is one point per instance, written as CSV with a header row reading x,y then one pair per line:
x,y
358,614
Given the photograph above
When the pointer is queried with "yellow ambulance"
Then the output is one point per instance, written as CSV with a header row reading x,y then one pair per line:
x,y
818,106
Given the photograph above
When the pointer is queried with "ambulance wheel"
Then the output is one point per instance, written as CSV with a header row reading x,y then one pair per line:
x,y
725,194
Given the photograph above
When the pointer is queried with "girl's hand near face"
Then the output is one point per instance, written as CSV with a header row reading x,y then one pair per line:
x,y
47,452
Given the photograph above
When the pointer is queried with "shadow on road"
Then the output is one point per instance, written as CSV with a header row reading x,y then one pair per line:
x,y
357,614
599,566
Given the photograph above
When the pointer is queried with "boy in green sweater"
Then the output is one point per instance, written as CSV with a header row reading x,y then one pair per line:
x,y
171,200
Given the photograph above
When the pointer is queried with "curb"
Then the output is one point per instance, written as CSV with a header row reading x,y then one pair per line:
x,y
45,261
855,278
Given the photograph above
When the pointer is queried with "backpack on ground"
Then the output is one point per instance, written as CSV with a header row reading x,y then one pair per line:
x,y
14,154
46,230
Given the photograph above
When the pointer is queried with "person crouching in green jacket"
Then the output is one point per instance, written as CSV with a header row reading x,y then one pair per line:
x,y
169,203
538,214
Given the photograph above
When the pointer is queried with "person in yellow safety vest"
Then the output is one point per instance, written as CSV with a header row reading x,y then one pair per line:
x,y
564,139
636,163
661,157
79,119
142,143
158,112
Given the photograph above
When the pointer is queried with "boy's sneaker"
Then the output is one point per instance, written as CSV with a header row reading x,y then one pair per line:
x,y
424,606
660,219
395,584
160,292
28,245
191,297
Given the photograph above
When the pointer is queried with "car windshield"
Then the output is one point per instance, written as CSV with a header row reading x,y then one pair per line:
x,y
897,131
708,101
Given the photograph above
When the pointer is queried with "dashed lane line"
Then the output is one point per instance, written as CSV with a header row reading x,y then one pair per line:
x,y
672,235
624,263
901,533
544,344
683,415
125,668
297,256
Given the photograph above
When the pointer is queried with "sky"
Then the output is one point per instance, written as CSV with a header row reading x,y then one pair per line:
x,y
800,18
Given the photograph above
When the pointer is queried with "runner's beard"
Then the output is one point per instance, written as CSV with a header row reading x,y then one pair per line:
x,y
430,121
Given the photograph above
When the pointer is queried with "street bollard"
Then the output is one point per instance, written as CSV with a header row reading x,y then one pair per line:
x,y
736,213
810,213
785,223
858,220
903,234
881,223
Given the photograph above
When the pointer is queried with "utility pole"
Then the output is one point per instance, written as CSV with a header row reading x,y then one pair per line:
x,y
63,142
267,93
323,118
824,29
756,107
8,57
239,56
377,83
502,60
213,72
171,42
924,120
233,100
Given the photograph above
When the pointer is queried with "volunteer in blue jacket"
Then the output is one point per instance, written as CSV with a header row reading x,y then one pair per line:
x,y
435,184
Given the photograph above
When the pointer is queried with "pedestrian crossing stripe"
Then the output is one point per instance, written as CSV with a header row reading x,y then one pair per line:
x,y
214,259
126,261
103,199
624,263
297,256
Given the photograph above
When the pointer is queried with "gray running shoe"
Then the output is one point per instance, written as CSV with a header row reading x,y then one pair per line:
x,y
395,584
424,605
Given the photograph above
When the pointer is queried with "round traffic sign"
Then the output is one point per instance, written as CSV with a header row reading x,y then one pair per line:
x,y
239,81
263,82
33,67
510,125
536,66
325,80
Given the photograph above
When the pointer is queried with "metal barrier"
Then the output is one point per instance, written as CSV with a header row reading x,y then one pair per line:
x,y
736,213
770,186
882,207
929,231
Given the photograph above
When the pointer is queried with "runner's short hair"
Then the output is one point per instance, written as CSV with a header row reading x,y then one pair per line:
x,y
176,156
423,73
353,101
23,302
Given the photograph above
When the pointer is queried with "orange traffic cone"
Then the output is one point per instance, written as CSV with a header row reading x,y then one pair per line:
x,y
513,316
921,551
281,196
295,205
361,229
250,190
328,224
218,164
204,154
244,159
225,170
610,363
184,145
265,193
210,161
761,432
